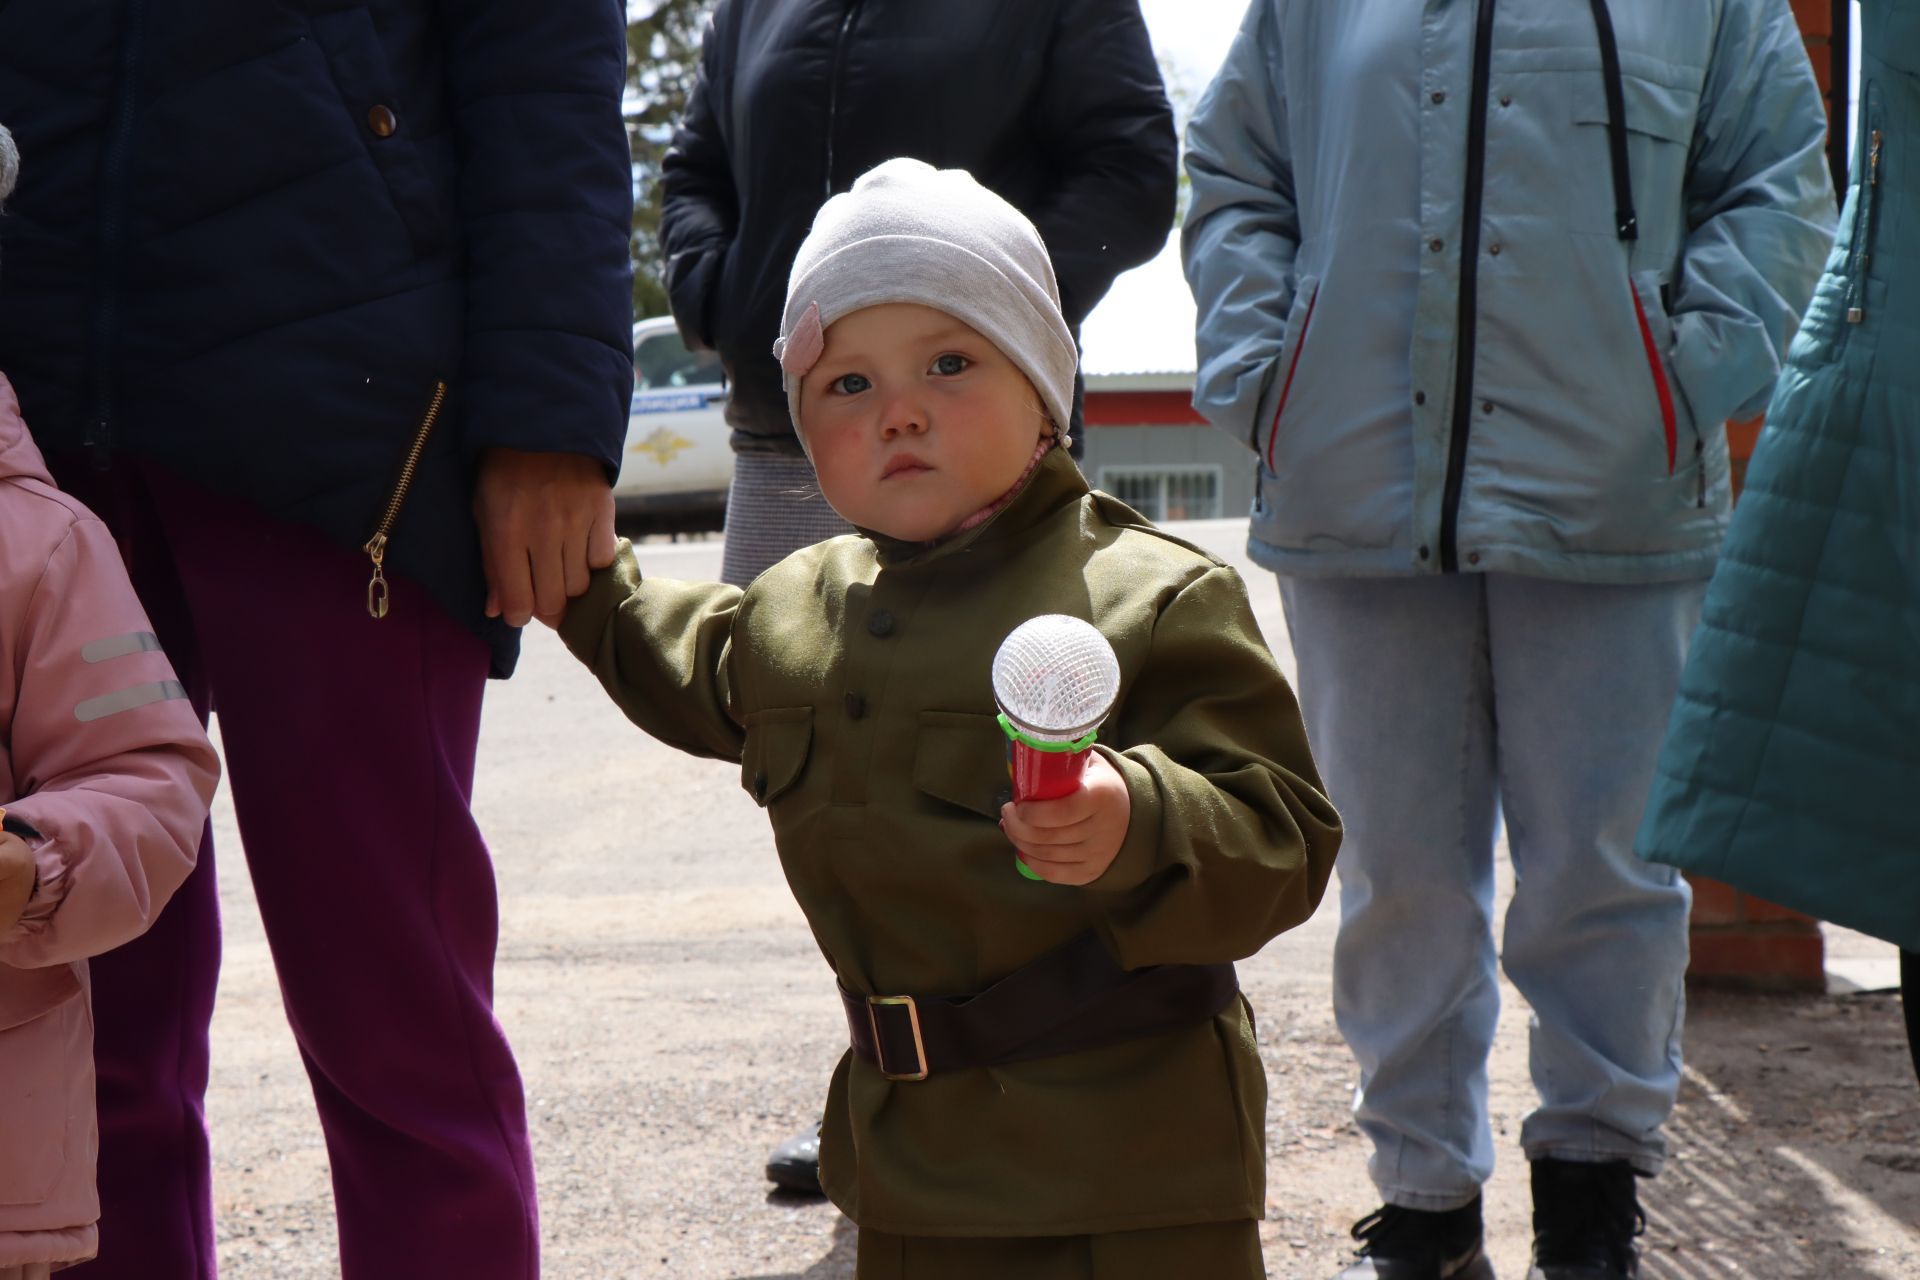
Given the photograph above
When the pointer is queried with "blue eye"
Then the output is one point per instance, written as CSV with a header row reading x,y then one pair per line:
x,y
851,384
949,365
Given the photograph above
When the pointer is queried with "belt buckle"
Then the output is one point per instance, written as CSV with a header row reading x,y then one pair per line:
x,y
879,1042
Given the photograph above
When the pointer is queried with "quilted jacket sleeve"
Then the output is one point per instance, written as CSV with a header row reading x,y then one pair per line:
x,y
1243,227
116,770
1106,127
701,209
546,200
1761,212
1232,838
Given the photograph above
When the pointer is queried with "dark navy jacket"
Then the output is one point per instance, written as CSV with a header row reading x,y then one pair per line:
x,y
252,238
1056,105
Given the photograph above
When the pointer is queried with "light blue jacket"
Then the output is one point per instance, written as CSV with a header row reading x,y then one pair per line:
x,y
1330,170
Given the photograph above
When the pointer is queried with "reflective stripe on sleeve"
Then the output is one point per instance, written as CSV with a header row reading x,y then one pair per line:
x,y
140,695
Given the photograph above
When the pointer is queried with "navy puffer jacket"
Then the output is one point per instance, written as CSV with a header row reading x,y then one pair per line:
x,y
258,241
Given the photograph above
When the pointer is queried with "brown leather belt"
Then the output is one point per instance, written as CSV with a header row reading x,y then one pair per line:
x,y
1075,997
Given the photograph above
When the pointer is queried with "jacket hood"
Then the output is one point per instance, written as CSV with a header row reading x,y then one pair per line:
x,y
19,455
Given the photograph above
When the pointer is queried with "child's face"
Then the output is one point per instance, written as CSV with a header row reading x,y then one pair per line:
x,y
915,421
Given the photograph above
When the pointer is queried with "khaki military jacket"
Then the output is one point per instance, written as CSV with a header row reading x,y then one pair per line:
x,y
851,681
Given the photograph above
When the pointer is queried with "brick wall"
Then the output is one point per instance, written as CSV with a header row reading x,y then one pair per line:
x,y
1740,940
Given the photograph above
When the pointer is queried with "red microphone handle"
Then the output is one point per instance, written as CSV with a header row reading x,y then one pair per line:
x,y
1045,775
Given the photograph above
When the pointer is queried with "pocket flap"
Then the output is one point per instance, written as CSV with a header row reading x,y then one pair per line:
x,y
1654,109
775,751
961,757
26,994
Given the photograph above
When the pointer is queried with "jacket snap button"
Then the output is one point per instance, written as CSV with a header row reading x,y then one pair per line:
x,y
1495,251
1439,96
1419,397
880,623
1425,554
1506,99
856,706
1436,244
1473,557
1486,406
760,785
382,121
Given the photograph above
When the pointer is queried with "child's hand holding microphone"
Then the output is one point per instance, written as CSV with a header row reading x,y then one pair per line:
x,y
1056,678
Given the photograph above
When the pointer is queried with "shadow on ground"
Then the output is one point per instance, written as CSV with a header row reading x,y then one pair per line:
x,y
838,1263
1796,1144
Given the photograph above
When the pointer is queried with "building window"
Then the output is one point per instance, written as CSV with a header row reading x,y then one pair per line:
x,y
1166,493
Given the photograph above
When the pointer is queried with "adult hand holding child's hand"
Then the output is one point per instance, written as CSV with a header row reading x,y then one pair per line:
x,y
546,523
1074,839
16,879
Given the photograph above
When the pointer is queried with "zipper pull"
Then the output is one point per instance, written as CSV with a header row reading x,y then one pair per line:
x,y
376,550
98,443
1873,160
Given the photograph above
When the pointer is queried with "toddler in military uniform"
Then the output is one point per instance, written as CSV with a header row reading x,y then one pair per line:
x,y
1053,1078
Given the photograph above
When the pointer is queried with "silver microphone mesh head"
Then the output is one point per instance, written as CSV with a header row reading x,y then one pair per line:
x,y
1056,677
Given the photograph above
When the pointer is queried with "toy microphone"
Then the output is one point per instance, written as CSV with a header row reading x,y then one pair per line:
x,y
1055,679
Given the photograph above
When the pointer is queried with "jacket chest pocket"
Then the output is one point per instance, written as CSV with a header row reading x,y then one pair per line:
x,y
1659,128
369,90
774,755
960,759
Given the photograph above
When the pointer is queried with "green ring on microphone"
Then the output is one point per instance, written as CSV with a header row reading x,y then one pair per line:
x,y
1051,748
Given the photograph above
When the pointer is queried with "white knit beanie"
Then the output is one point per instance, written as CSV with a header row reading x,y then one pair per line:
x,y
908,232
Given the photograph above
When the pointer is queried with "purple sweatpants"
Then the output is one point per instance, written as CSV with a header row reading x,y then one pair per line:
x,y
350,753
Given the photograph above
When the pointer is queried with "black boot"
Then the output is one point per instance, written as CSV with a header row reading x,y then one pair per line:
x,y
1585,1218
795,1163
1412,1244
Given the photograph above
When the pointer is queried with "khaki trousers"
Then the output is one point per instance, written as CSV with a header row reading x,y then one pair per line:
x,y
1214,1250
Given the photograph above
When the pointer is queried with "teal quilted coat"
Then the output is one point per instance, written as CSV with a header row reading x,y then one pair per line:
x,y
1791,768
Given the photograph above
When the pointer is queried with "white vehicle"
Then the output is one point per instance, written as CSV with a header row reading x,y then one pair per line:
x,y
676,463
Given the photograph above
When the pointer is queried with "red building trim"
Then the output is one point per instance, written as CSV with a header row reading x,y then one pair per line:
x,y
1142,409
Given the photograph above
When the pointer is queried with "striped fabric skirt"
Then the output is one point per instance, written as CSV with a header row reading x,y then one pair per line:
x,y
774,508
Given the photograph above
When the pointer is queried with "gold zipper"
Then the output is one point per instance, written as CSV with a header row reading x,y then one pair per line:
x,y
376,547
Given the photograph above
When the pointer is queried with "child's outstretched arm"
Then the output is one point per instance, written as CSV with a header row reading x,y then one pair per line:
x,y
660,649
112,768
1230,839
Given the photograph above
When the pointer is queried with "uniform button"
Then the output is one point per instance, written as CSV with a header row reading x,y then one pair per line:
x,y
856,706
382,121
1473,557
1436,244
760,785
1002,797
880,623
1439,96
1419,397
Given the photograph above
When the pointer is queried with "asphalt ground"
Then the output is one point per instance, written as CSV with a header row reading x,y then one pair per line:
x,y
674,1021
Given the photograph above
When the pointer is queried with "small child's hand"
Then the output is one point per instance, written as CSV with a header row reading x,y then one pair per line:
x,y
1074,839
16,879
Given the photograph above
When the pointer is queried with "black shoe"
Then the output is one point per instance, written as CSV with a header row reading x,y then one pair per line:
x,y
1412,1244
1585,1218
795,1163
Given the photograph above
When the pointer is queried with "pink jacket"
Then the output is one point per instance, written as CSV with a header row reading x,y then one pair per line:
x,y
101,753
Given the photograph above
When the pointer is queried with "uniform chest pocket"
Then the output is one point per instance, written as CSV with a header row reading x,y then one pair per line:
x,y
1659,126
774,756
960,758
